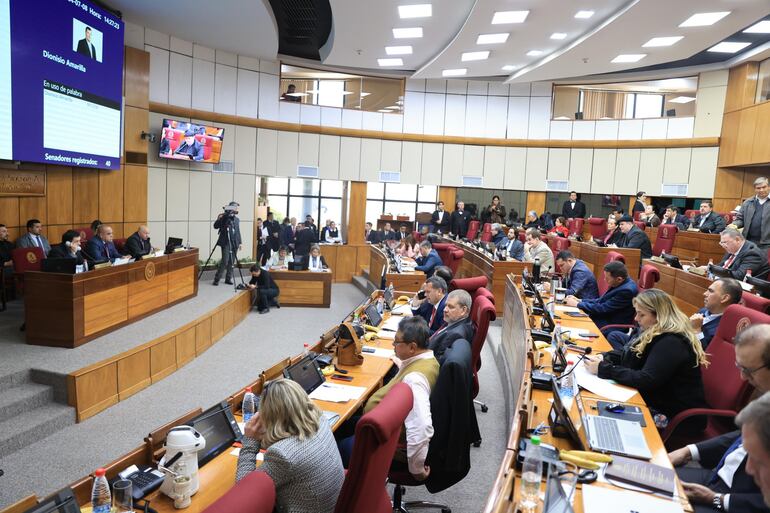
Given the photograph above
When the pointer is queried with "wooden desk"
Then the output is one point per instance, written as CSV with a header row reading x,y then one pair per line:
x,y
68,310
304,288
686,288
694,246
407,281
595,257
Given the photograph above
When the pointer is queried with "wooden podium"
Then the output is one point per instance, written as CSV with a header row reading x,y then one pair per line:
x,y
68,310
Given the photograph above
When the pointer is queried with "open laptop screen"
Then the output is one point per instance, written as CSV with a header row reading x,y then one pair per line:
x,y
306,373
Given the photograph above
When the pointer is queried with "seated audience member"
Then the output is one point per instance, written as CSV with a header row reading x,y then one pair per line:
x,y
34,237
535,248
322,236
498,236
439,220
264,291
616,305
723,469
370,235
431,306
513,245
138,244
101,248
6,248
443,272
573,207
663,363
560,228
304,238
754,430
614,235
407,247
457,324
672,216
428,259
742,255
718,296
402,233
708,221
616,214
280,259
417,368
315,261
386,233
633,237
578,278
69,247
533,221
753,215
332,233
301,455
190,147
649,217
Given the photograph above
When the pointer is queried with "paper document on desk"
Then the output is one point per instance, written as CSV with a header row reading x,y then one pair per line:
x,y
391,324
403,310
602,387
565,308
598,499
386,335
381,352
335,393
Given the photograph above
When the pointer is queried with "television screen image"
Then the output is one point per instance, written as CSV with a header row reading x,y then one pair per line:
x,y
610,200
183,140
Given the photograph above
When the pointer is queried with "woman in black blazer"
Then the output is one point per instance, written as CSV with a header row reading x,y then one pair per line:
x,y
662,363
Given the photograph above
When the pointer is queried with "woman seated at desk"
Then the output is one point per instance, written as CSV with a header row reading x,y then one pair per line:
x,y
315,261
280,259
408,247
662,362
561,227
301,454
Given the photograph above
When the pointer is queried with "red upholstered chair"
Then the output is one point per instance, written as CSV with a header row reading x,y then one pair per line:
x,y
120,245
417,236
665,239
487,228
443,249
637,215
726,392
483,291
598,227
86,233
611,257
559,244
640,225
691,213
648,277
473,230
756,302
468,284
575,225
484,314
455,257
486,233
26,259
377,435
727,216
255,493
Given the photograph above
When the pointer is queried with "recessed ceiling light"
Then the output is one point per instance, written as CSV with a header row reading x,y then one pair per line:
x,y
454,72
390,62
682,99
509,67
363,94
763,27
562,118
503,17
296,95
558,35
415,11
703,19
629,57
728,47
489,39
398,50
407,33
663,41
583,15
534,53
475,56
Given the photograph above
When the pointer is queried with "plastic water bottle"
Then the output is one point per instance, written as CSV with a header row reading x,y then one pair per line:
x,y
536,270
531,476
381,305
305,349
568,385
101,498
249,405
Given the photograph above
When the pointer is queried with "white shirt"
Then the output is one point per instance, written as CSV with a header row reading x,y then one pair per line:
x,y
419,424
728,470
703,219
440,215
314,264
706,319
762,201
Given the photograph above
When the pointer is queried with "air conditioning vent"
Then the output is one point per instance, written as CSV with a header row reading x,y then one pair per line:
x,y
673,189
224,166
472,181
557,185
307,171
390,176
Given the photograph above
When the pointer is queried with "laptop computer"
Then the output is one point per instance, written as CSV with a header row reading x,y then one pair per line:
x,y
556,500
388,297
373,315
306,373
172,244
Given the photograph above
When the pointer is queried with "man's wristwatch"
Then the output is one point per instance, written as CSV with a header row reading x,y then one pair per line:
x,y
717,503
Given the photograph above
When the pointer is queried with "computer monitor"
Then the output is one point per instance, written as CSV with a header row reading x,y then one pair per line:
x,y
672,261
62,501
556,500
560,415
373,315
219,428
529,284
306,373
172,244
388,296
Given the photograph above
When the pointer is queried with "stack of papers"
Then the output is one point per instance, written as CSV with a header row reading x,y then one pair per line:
x,y
602,387
599,499
391,324
381,352
386,335
404,310
564,308
334,393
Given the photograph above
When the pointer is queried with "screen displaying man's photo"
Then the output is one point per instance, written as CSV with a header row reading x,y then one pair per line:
x,y
86,40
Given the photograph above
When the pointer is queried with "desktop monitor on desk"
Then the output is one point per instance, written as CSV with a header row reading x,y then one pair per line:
x,y
62,501
219,428
530,285
672,261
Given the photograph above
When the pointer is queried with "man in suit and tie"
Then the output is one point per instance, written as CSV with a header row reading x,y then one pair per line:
x,y
370,235
386,233
431,306
633,237
440,219
34,237
138,244
459,220
101,248
672,216
754,424
69,248
428,259
403,233
742,255
578,278
717,297
616,305
86,47
288,232
302,241
457,324
190,147
573,207
754,215
722,481
512,245
273,233
708,221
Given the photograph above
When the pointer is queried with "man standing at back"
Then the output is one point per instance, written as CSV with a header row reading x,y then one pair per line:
x,y
754,215
229,241
34,237
459,220
440,219
573,207
640,203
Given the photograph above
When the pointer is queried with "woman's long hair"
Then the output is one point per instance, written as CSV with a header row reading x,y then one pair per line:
x,y
286,411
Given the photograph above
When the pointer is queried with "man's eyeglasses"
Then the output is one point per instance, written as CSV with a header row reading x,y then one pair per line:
x,y
397,341
747,371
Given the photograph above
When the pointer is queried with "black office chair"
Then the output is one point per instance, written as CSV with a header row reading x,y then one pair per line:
x,y
760,285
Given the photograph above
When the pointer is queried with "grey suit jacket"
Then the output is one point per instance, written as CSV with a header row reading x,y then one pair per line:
x,y
25,241
746,213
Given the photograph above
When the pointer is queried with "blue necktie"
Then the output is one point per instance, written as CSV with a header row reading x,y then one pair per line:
x,y
737,443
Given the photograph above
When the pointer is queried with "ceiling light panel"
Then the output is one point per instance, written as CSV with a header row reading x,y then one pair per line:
x,y
763,27
475,56
629,57
490,39
390,62
534,53
584,15
407,33
398,50
505,17
728,47
509,67
415,11
682,99
558,35
458,72
704,19
662,41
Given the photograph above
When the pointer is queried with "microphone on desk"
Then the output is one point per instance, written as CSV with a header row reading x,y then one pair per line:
x,y
586,351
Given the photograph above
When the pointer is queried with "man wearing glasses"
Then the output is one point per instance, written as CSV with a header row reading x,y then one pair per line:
x,y
721,482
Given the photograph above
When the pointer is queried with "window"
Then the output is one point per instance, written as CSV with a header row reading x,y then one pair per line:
x,y
399,199
763,82
298,197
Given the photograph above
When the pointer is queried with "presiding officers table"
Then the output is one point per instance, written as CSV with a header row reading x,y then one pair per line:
x,y
68,310
304,288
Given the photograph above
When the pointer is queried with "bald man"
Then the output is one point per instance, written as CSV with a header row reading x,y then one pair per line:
x,y
138,244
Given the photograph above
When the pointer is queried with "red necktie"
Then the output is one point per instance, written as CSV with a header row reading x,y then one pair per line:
x,y
729,261
432,316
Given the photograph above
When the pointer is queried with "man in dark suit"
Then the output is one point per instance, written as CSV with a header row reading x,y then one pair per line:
x,y
69,248
190,147
633,237
386,233
578,278
431,307
288,232
403,233
708,221
273,233
138,244
264,291
303,239
723,473
458,224
512,245
742,256
754,421
101,248
440,219
6,249
672,216
754,215
616,305
370,235
717,297
428,259
86,47
34,237
573,207
310,223
457,324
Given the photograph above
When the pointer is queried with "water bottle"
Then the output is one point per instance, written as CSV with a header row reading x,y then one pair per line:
x,y
249,405
536,270
710,274
101,498
531,476
305,349
568,385
381,305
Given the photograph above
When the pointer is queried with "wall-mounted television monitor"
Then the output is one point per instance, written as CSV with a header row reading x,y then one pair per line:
x,y
182,140
61,83
611,200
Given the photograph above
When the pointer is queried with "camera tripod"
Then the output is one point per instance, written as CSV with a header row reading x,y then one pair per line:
x,y
232,254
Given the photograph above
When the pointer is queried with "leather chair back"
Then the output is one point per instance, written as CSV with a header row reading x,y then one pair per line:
x,y
470,285
648,277
575,225
484,314
755,302
598,227
255,493
473,230
611,257
455,258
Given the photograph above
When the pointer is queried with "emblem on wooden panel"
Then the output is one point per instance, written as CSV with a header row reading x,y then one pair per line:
x,y
149,271
31,257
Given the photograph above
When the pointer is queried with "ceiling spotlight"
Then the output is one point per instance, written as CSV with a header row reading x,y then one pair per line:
x,y
407,33
763,27
475,56
398,50
558,35
682,99
704,19
509,67
489,39
534,53
662,41
728,47
504,17
390,62
415,11
454,72
629,57
584,15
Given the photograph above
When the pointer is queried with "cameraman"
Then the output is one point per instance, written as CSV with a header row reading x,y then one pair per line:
x,y
228,225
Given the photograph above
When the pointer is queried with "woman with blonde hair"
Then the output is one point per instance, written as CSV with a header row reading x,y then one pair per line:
x,y
663,362
301,455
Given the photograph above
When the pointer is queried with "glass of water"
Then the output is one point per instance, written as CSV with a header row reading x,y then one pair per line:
x,y
121,496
